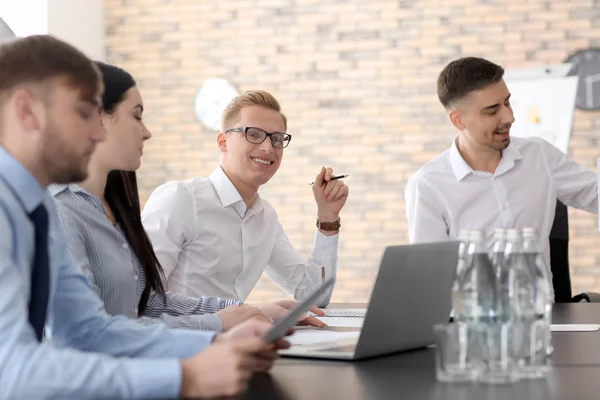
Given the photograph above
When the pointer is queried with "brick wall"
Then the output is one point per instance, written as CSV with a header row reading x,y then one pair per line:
x,y
357,81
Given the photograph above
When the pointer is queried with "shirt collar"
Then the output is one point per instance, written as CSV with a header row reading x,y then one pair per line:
x,y
229,195
509,156
458,164
462,169
56,189
25,187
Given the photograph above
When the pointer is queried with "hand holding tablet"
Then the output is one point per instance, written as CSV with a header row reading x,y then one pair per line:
x,y
282,326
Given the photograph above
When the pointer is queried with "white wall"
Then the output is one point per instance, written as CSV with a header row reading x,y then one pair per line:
x,y
79,22
25,17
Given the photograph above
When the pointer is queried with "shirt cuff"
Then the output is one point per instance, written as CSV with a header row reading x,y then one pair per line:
x,y
226,303
187,342
155,378
325,248
161,378
209,322
320,237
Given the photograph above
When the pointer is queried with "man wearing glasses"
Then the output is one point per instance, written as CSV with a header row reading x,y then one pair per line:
x,y
215,236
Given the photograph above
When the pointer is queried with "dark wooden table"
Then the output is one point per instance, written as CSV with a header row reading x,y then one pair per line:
x,y
575,374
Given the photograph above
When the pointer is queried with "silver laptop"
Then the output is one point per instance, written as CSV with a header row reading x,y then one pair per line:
x,y
412,292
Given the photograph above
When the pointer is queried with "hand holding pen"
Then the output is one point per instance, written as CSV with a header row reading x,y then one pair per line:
x,y
330,194
333,178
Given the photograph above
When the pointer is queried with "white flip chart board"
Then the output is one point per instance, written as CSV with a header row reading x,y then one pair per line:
x,y
543,107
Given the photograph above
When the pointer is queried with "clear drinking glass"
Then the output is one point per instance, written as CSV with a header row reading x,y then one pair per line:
x,y
455,358
497,345
535,363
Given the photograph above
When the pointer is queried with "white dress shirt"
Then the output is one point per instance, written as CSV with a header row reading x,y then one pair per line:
x,y
446,195
209,244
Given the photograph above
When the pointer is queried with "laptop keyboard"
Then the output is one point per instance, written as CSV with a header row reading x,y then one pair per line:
x,y
350,312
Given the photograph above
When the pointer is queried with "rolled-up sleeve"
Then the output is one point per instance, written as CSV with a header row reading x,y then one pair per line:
x,y
180,311
299,276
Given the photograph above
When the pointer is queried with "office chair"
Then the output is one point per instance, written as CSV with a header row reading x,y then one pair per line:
x,y
559,260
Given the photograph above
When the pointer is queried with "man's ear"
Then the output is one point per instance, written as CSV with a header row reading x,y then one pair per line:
x,y
456,119
29,111
222,142
107,119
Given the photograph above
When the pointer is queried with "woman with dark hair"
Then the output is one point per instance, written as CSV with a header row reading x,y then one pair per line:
x,y
101,216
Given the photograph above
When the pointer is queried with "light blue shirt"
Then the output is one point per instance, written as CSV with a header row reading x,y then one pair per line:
x,y
77,324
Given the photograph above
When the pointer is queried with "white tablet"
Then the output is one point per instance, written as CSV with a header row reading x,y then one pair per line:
x,y
284,324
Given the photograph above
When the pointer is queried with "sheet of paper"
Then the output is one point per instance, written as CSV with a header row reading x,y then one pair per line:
x,y
345,322
574,327
307,337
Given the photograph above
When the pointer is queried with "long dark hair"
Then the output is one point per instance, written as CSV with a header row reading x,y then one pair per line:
x,y
122,196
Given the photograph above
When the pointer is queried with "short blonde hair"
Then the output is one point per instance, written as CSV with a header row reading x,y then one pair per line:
x,y
260,98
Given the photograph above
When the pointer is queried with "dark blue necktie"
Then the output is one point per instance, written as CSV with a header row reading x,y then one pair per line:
x,y
40,272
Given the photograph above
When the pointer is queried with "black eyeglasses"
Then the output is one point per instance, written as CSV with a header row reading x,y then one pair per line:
x,y
254,135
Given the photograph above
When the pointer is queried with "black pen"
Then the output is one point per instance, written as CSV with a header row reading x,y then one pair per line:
x,y
333,178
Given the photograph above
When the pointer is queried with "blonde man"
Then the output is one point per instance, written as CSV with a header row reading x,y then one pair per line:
x,y
216,236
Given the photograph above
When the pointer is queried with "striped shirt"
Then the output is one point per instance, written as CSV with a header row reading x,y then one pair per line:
x,y
102,252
